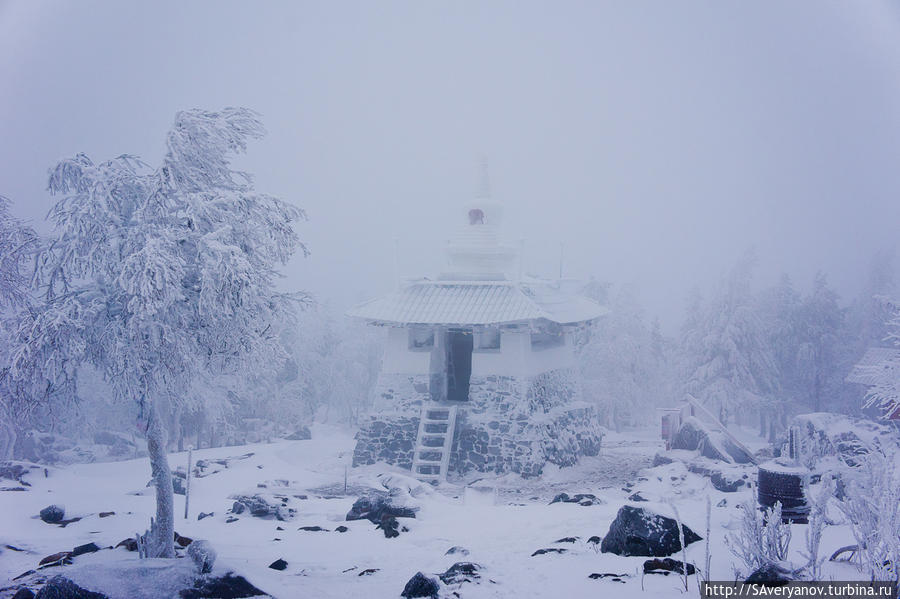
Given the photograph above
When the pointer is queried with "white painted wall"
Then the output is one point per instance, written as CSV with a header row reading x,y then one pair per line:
x,y
515,357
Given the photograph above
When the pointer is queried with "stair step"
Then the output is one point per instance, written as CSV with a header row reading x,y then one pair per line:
x,y
431,457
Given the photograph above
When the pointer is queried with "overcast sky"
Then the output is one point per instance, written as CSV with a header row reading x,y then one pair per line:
x,y
658,141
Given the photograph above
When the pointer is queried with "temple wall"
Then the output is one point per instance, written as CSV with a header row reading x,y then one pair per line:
x,y
510,423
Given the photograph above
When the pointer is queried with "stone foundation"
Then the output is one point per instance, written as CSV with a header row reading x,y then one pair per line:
x,y
509,424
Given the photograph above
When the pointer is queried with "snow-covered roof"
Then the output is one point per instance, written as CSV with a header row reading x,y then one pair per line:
x,y
874,365
478,303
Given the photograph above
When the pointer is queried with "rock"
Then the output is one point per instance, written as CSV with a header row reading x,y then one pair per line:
x,y
725,480
279,564
637,497
457,550
638,531
375,507
368,572
549,550
106,514
610,575
223,587
63,557
722,503
695,436
666,565
63,588
341,528
566,540
24,593
579,498
301,434
182,541
260,507
86,548
661,460
230,520
64,523
203,515
128,544
203,555
390,527
772,574
460,572
313,529
594,540
53,514
421,586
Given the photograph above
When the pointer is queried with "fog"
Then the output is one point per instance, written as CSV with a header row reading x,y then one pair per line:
x,y
656,141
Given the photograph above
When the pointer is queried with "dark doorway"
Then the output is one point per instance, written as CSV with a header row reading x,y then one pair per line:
x,y
459,364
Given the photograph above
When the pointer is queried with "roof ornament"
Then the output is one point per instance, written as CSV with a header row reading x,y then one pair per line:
x,y
484,181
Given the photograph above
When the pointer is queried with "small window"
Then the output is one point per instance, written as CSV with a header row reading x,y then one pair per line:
x,y
421,338
544,340
487,339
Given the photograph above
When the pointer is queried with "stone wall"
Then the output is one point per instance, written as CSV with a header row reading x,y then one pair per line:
x,y
509,424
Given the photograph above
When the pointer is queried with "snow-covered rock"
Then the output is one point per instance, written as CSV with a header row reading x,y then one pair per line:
x,y
638,531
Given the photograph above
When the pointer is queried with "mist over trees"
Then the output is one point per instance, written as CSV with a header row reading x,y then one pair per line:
x,y
751,355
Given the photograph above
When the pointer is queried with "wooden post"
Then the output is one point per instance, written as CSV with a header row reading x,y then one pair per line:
x,y
187,484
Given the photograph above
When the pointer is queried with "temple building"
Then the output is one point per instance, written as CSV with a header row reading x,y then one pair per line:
x,y
479,370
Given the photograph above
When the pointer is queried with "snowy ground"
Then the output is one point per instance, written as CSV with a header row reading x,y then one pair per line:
x,y
501,534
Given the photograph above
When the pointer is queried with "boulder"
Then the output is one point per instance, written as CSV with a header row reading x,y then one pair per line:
x,y
461,572
129,544
181,541
612,576
203,555
695,436
62,557
579,498
772,575
59,587
457,550
549,550
301,434
723,478
23,593
279,564
421,586
638,531
203,515
666,565
390,526
222,587
86,548
313,529
341,529
375,507
53,514
260,507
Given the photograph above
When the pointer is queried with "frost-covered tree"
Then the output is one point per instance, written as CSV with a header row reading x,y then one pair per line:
x,y
160,279
18,242
884,392
820,357
624,363
729,363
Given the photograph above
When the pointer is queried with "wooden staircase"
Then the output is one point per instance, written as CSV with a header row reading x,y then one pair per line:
x,y
431,458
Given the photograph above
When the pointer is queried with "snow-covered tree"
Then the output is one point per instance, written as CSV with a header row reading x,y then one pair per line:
x,y
820,359
18,242
624,363
884,375
729,364
163,280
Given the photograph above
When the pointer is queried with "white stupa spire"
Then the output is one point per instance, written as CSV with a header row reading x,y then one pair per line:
x,y
475,251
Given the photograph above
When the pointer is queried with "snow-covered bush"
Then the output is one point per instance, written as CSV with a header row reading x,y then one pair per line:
x,y
818,504
872,507
763,539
